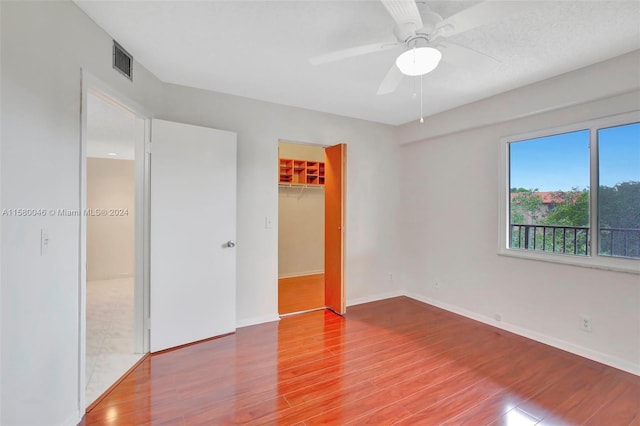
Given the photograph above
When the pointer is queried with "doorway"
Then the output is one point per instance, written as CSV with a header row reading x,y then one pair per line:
x,y
311,200
112,219
194,212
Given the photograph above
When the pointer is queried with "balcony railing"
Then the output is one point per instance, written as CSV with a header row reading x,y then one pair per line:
x,y
555,239
621,242
617,242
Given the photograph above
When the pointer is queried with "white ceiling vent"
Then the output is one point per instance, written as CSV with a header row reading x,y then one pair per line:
x,y
122,61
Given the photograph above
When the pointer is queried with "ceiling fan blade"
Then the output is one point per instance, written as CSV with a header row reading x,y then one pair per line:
x,y
351,52
404,11
391,81
483,13
463,56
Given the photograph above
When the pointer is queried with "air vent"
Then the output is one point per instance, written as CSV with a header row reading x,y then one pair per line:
x,y
122,60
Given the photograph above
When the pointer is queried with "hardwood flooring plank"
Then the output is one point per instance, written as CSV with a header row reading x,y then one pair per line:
x,y
300,293
327,401
395,361
389,415
622,406
410,392
516,416
454,404
543,372
584,403
565,394
231,414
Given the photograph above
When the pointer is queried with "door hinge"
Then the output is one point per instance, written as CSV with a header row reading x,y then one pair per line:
x,y
147,148
147,323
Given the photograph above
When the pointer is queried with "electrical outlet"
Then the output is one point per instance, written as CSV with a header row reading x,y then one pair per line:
x,y
585,323
390,276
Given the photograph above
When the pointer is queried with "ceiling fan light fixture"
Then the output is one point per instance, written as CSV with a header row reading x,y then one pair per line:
x,y
418,61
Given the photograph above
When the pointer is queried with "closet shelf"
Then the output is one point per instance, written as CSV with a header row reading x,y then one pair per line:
x,y
295,172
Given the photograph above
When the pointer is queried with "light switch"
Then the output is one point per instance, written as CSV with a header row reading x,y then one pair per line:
x,y
44,242
268,224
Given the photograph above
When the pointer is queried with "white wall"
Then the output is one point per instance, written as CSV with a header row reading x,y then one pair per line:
x,y
44,45
1,207
110,239
449,220
371,190
300,219
300,231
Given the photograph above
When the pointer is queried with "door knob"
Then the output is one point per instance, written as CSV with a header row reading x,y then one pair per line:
x,y
231,244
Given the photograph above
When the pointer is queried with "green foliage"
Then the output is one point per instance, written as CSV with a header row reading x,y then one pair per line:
x,y
525,204
620,205
571,209
619,208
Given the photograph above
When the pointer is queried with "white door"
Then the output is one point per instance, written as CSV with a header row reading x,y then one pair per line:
x,y
193,217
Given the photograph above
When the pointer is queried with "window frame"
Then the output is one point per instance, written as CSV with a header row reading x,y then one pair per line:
x,y
594,260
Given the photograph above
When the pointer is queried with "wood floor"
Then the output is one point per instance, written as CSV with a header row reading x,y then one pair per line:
x,y
301,293
396,361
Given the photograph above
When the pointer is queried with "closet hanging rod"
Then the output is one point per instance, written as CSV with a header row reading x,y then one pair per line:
x,y
298,185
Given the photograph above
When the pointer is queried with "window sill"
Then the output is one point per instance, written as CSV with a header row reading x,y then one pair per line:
x,y
629,266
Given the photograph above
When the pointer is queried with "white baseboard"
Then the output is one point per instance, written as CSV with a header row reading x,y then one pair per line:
x,y
301,274
603,358
110,277
374,298
275,317
74,419
257,320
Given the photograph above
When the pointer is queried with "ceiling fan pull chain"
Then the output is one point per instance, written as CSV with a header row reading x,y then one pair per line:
x,y
415,91
421,103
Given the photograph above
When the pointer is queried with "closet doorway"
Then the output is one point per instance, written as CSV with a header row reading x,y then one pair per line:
x,y
311,205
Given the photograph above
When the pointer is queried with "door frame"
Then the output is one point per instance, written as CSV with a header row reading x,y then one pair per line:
x,y
344,235
92,84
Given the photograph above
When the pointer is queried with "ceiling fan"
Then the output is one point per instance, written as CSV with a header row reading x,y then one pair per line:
x,y
421,32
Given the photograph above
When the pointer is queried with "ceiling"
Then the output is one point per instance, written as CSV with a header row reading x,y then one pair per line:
x,y
261,49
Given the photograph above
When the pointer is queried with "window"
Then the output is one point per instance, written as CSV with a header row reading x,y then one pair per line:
x,y
549,210
549,193
619,191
